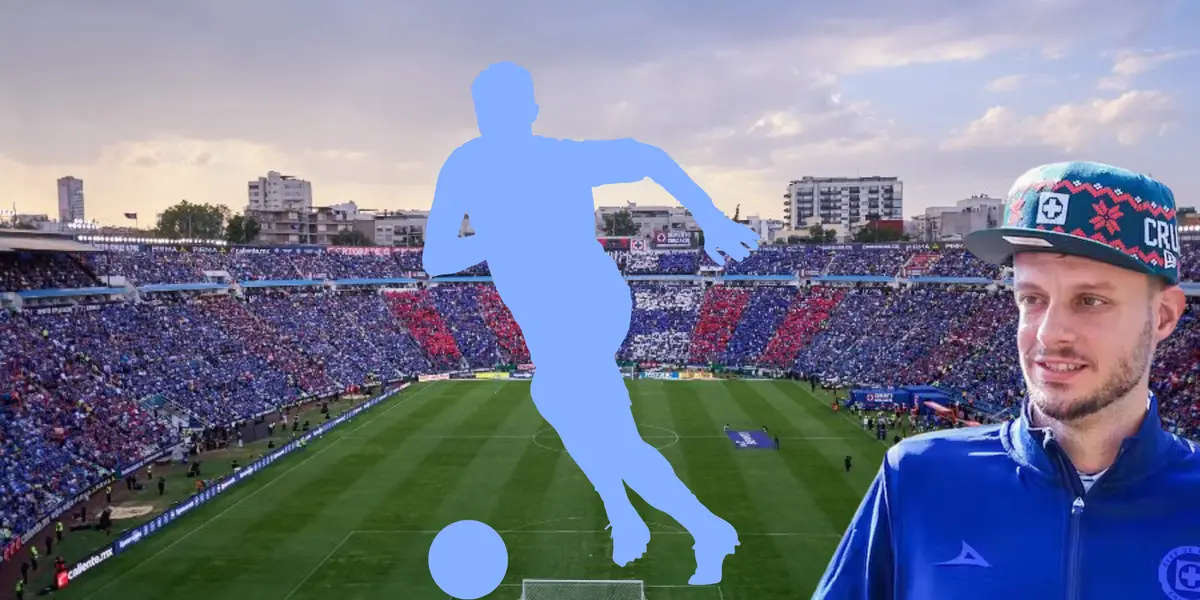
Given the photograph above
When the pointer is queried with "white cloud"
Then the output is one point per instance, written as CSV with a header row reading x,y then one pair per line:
x,y
1128,64
1006,83
1021,81
1125,119
367,99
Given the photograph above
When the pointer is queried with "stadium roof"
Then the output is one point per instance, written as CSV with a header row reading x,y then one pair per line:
x,y
16,243
69,293
375,281
183,287
281,283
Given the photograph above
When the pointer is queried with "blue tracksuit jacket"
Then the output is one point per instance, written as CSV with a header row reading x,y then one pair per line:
x,y
999,512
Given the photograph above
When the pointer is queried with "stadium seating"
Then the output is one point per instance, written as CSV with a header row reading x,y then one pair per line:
x,y
500,320
459,307
832,353
660,328
960,263
805,317
885,262
89,391
919,263
719,314
1189,265
765,310
1177,365
416,311
24,271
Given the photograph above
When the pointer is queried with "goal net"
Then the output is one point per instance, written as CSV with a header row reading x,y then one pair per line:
x,y
581,589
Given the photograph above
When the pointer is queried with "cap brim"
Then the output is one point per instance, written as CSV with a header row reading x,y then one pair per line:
x,y
998,246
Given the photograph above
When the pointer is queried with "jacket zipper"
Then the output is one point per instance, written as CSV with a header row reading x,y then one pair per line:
x,y
1073,555
1075,523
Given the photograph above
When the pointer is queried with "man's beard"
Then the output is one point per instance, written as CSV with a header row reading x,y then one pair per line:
x,y
1127,375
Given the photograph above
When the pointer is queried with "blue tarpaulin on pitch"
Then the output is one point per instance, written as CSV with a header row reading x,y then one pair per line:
x,y
751,440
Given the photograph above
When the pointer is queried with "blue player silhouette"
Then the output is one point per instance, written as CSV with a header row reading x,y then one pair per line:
x,y
529,201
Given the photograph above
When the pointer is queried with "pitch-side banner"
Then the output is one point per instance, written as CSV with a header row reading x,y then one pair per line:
x,y
660,375
880,397
132,537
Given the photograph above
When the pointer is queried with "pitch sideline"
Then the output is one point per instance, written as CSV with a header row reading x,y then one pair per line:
x,y
205,523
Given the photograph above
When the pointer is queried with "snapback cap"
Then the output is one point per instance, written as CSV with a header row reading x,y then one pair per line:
x,y
1087,209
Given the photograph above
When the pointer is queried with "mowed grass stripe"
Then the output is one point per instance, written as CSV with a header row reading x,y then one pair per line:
x,y
192,535
400,480
479,487
389,466
780,498
810,494
364,568
851,440
419,498
546,491
304,525
568,501
670,558
815,490
652,412
647,408
305,518
400,484
728,490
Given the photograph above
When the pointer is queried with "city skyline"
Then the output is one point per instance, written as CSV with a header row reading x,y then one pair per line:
x,y
175,102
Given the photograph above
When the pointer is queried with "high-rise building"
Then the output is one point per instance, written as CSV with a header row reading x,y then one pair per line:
x,y
70,199
277,192
283,206
846,201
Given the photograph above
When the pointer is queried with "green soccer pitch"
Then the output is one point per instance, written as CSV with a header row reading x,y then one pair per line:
x,y
353,515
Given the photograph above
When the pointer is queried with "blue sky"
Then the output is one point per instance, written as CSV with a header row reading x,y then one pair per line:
x,y
151,102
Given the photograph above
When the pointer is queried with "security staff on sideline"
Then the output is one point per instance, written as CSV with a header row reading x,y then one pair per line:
x,y
1084,495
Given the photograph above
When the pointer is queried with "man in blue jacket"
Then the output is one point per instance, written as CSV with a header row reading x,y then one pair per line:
x,y
1084,495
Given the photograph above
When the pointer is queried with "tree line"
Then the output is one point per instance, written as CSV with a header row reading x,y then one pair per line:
x,y
206,221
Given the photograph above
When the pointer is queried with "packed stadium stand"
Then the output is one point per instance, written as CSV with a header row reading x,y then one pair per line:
x,y
103,352
719,315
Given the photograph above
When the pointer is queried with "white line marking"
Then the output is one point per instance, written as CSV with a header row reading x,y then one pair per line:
x,y
572,531
319,565
368,420
545,521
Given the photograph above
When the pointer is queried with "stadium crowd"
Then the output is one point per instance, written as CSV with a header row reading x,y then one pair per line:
x,y
144,265
92,390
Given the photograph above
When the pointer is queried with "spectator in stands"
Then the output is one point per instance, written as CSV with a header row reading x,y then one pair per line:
x,y
92,390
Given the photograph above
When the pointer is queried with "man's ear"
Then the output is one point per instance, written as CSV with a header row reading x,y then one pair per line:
x,y
1171,303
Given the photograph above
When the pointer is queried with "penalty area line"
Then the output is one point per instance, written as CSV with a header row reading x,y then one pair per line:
x,y
319,565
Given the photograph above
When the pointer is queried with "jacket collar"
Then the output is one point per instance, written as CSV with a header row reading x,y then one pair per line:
x,y
1141,453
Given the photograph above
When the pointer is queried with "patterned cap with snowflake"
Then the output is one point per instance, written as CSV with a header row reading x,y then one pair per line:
x,y
1087,209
